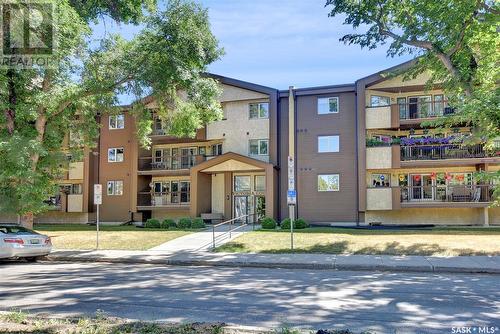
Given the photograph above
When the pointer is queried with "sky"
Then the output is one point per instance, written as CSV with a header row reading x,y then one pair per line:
x,y
282,43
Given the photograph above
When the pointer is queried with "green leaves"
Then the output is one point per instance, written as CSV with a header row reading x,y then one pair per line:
x,y
40,106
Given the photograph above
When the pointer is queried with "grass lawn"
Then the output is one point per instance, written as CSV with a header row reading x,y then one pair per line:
x,y
437,241
69,236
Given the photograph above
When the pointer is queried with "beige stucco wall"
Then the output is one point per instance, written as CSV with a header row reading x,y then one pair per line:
x,y
218,193
75,203
75,171
398,81
378,157
378,117
437,216
232,93
237,128
379,198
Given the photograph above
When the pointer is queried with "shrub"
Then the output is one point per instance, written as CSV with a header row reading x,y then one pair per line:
x,y
184,223
198,223
168,223
152,223
268,223
297,224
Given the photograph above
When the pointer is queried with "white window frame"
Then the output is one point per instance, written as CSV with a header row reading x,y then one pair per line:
x,y
330,148
113,184
258,110
258,146
380,96
115,149
114,119
329,190
328,98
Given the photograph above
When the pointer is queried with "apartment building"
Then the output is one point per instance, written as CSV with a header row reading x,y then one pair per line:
x,y
361,154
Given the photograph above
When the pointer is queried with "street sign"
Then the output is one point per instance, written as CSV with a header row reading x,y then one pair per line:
x,y
291,197
97,194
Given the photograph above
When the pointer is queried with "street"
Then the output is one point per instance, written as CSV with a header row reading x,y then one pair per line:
x,y
382,302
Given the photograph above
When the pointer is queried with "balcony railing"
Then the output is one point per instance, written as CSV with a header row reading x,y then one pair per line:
x,y
164,199
170,162
447,193
443,151
419,110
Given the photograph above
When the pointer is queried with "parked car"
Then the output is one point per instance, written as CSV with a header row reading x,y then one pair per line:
x,y
19,242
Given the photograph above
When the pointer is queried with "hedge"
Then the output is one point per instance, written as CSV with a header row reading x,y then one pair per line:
x,y
268,223
297,224
168,224
184,223
198,223
152,223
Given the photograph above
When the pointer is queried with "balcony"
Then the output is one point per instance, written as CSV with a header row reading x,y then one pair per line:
x,y
382,198
433,154
381,117
169,163
446,196
382,157
173,199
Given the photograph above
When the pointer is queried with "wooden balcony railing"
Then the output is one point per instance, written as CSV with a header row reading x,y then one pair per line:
x,y
443,151
423,109
447,193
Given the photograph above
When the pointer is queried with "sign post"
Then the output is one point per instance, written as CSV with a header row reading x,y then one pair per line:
x,y
291,196
97,202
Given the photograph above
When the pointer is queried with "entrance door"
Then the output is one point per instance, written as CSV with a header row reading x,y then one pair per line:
x,y
422,187
241,207
260,207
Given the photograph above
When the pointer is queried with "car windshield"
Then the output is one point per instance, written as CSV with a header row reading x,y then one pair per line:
x,y
15,230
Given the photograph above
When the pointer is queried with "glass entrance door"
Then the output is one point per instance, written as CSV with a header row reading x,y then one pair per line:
x,y
241,207
260,207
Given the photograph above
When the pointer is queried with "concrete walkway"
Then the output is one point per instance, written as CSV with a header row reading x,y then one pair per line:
x,y
202,241
431,264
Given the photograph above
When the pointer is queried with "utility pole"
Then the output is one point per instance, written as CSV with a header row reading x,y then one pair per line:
x,y
291,194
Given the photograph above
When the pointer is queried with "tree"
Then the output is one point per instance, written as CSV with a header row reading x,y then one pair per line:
x,y
456,41
39,105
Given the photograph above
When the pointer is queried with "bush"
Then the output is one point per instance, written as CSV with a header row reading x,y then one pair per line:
x,y
184,223
152,223
198,223
168,224
297,224
268,223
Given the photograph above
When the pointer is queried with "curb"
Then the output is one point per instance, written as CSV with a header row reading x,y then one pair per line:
x,y
277,265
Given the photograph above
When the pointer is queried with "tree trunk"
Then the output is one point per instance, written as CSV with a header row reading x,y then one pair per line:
x,y
27,220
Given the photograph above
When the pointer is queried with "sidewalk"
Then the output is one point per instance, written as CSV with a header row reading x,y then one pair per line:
x,y
428,264
202,241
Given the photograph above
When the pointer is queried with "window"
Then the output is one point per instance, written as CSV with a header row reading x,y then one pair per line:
x,y
259,147
217,149
328,144
115,188
242,183
115,154
328,182
401,101
260,183
380,101
328,105
117,121
71,189
258,110
439,105
379,180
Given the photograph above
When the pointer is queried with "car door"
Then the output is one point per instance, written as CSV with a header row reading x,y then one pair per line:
x,y
4,252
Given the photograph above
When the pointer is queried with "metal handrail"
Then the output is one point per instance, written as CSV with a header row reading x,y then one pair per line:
x,y
231,221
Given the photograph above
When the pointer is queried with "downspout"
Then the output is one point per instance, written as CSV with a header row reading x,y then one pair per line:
x,y
278,150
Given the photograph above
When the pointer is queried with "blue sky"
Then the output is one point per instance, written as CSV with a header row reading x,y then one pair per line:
x,y
282,43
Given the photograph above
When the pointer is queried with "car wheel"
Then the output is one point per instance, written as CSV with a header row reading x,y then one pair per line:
x,y
32,259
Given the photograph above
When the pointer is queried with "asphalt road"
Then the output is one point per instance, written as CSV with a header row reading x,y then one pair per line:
x,y
381,302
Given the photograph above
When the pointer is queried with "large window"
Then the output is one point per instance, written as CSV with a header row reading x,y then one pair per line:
x,y
242,183
259,147
380,101
115,154
117,121
115,188
258,110
328,144
260,183
71,189
328,182
328,105
167,192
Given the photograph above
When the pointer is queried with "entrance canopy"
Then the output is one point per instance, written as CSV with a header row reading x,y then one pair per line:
x,y
225,165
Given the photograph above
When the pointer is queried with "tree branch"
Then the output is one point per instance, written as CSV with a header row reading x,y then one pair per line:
x,y
466,23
